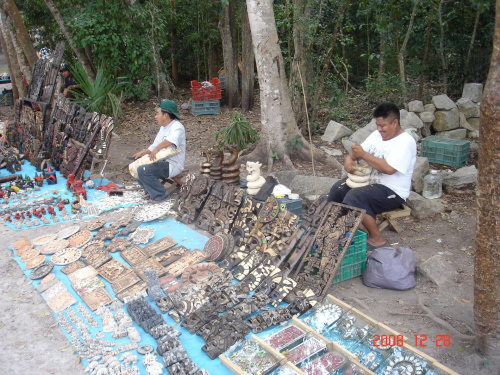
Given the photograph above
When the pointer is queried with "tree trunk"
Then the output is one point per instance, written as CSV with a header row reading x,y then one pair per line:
x,y
472,39
248,58
426,51
441,47
173,41
228,35
278,123
213,61
14,65
401,54
21,31
300,61
79,52
21,57
487,257
382,51
324,71
15,92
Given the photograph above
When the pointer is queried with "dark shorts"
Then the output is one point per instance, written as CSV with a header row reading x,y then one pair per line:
x,y
374,198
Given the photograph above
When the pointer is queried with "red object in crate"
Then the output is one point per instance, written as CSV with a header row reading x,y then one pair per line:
x,y
202,91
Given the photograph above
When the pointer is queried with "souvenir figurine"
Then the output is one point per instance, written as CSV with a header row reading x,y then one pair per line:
x,y
27,182
78,188
70,182
38,180
50,175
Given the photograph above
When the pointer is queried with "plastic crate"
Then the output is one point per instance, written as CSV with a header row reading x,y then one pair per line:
x,y
210,107
292,205
446,151
6,99
208,93
222,80
354,261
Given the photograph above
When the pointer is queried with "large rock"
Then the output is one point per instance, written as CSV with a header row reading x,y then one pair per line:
x,y
430,108
422,207
419,172
410,120
463,180
437,269
427,119
464,123
473,91
474,134
468,108
347,144
453,134
304,185
443,102
331,151
335,131
360,135
416,106
446,120
474,122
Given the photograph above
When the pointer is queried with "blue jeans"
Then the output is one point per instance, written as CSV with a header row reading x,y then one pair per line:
x,y
149,179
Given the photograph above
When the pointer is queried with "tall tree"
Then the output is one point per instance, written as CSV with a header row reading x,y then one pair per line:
x,y
487,257
279,127
21,31
79,52
15,92
21,57
227,29
248,58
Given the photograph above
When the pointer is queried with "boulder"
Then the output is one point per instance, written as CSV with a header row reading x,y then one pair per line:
x,y
430,108
413,133
427,117
453,134
474,122
463,180
304,185
468,108
360,135
416,106
473,91
464,124
410,120
422,207
347,144
437,269
419,172
446,120
335,131
443,102
474,134
331,151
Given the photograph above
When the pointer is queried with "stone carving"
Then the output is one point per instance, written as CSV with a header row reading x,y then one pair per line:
x,y
254,179
154,289
230,170
192,196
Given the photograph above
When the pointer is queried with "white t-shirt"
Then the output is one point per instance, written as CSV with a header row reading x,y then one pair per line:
x,y
400,153
175,133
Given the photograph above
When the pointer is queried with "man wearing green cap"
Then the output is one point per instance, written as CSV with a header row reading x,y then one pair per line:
x,y
171,134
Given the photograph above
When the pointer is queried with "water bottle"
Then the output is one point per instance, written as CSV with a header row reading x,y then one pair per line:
x,y
433,185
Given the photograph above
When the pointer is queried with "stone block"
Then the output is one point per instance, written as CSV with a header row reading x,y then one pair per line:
x,y
416,106
410,120
304,185
446,120
422,208
437,269
360,135
474,122
430,108
454,134
473,91
474,134
335,131
464,123
468,108
285,177
419,172
462,181
427,117
347,144
443,102
331,151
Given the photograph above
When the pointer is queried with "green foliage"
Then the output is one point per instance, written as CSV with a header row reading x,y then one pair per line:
x,y
101,96
387,88
239,133
294,144
274,155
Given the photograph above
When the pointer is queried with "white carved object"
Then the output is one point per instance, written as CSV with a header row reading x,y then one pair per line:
x,y
254,179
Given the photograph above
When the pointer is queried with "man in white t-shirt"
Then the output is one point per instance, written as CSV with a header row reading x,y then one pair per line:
x,y
391,152
171,134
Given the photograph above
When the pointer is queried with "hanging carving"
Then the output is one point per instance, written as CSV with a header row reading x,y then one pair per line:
x,y
192,196
230,170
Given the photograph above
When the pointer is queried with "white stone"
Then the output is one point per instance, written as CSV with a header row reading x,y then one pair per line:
x,y
453,134
474,122
430,108
419,172
335,131
331,151
427,117
446,120
437,269
422,208
443,102
468,108
464,123
361,134
473,91
416,106
347,144
410,120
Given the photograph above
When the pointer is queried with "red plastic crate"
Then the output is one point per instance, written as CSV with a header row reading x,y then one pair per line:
x,y
201,94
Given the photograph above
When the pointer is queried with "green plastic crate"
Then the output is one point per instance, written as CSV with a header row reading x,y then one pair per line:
x,y
354,261
446,151
292,205
208,107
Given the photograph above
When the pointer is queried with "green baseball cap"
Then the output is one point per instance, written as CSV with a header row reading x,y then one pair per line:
x,y
169,106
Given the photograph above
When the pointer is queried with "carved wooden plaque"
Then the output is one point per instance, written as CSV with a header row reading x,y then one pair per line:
x,y
152,263
61,301
133,255
96,298
73,267
125,281
98,258
112,270
191,258
158,246
171,256
82,274
136,288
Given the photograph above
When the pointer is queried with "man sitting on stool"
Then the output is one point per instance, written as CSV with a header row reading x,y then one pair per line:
x,y
391,152
171,134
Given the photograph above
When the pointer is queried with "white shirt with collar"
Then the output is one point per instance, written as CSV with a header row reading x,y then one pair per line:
x,y
175,133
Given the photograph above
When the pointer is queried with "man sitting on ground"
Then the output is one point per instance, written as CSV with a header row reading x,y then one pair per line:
x,y
171,134
391,152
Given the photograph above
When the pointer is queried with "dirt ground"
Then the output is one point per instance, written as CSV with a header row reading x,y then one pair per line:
x,y
30,333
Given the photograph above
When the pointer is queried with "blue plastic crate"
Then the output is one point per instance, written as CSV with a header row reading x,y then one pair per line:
x,y
208,107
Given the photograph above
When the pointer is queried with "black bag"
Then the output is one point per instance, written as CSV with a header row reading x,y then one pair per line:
x,y
390,268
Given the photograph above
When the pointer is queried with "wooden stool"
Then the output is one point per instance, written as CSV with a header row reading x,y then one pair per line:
x,y
388,218
175,182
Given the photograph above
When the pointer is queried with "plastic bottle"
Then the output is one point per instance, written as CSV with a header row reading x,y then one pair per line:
x,y
433,185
